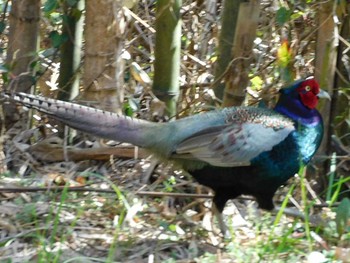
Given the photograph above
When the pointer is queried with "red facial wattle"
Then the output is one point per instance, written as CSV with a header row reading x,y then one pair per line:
x,y
308,93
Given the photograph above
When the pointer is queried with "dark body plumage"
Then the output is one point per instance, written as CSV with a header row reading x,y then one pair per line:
x,y
234,151
267,171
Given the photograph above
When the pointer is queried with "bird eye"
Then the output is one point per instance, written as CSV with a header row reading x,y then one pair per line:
x,y
307,88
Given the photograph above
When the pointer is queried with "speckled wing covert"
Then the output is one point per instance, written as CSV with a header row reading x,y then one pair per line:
x,y
247,133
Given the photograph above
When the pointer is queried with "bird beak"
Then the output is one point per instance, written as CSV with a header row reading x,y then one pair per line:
x,y
323,95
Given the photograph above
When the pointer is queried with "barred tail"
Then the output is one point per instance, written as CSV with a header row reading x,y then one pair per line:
x,y
90,120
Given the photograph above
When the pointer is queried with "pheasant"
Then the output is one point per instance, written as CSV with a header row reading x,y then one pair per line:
x,y
234,151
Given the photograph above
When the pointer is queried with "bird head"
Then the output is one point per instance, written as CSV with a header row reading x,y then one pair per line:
x,y
308,91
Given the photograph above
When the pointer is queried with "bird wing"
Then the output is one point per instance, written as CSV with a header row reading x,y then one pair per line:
x,y
236,143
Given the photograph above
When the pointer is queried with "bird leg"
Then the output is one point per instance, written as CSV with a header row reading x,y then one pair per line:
x,y
218,206
219,216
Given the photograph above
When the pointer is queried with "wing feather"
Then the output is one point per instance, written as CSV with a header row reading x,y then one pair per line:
x,y
237,142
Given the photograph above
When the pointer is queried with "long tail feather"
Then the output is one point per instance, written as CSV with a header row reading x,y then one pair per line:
x,y
93,121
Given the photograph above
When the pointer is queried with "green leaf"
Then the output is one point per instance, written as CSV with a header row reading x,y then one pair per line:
x,y
5,77
76,13
48,52
3,68
2,26
127,110
257,83
172,227
131,107
296,15
342,216
67,20
57,39
284,55
55,18
72,2
50,6
35,64
283,15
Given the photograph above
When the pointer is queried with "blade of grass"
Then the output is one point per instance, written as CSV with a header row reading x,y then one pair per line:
x,y
283,206
332,170
305,205
336,193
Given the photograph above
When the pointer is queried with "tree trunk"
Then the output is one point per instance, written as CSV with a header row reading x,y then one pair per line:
x,y
238,78
228,28
22,47
167,53
326,53
103,67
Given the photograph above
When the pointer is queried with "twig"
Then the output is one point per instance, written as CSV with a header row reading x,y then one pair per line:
x,y
141,193
89,189
181,195
53,189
